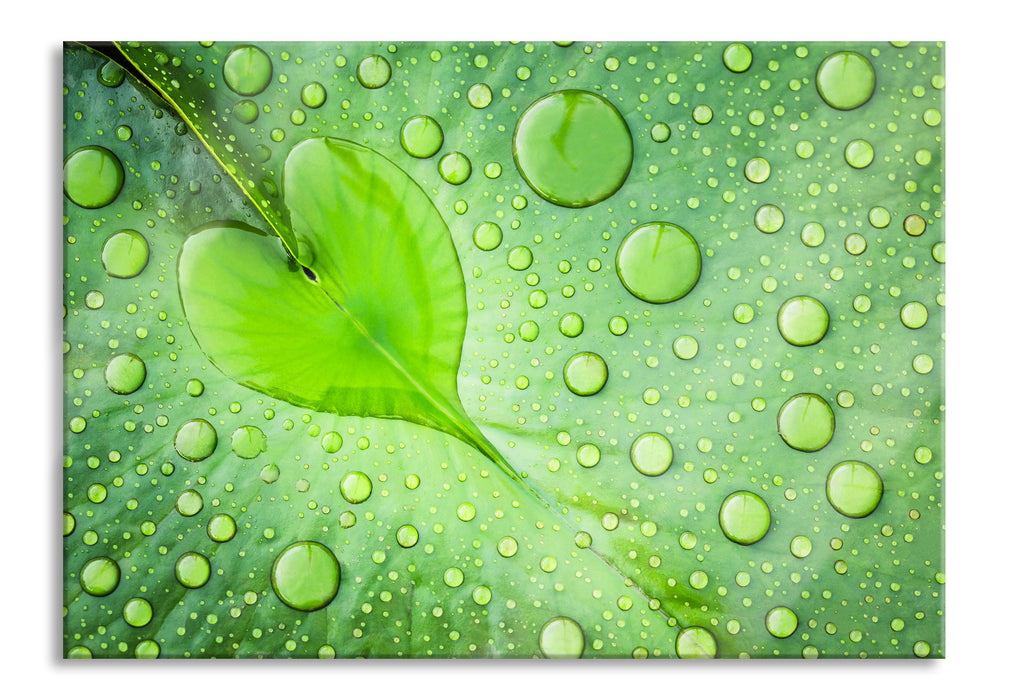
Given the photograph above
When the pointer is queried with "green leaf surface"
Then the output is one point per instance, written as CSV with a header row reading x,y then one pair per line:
x,y
567,529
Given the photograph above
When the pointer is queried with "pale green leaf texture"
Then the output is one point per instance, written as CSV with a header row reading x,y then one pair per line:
x,y
309,276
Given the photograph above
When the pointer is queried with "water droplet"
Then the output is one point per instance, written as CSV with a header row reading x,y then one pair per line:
x,y
757,170
192,570
373,71
453,577
585,373
744,517
914,225
79,652
520,258
111,74
481,595
248,442
743,313
100,576
92,177
913,314
479,95
800,547
685,347
769,218
737,57
879,217
921,649
588,455
562,638
529,331
507,547
196,440
659,262
660,132
356,487
125,373
845,80
247,70
421,136
306,576
221,528
854,488
652,454
407,536
332,442
803,321
124,132
859,153
781,622
573,148
487,236
313,95
454,168
806,422
137,612
189,503
695,643
922,364
854,243
572,325
125,254
702,114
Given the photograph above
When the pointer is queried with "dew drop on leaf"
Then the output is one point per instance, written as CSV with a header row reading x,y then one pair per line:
x,y
374,71
100,576
247,70
196,440
306,576
92,177
562,638
585,373
192,570
659,262
125,373
421,136
125,254
803,320
806,422
845,80
744,517
854,488
573,148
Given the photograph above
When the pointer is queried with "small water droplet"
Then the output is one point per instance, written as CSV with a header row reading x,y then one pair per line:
x,y
454,168
189,503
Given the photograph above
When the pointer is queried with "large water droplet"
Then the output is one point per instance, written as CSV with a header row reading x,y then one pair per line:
x,y
737,57
803,321
806,422
585,373
744,517
845,80
248,442
374,71
189,503
356,487
781,622
659,262
192,570
573,148
454,168
100,576
562,638
652,454
125,254
854,488
247,70
221,528
487,236
306,576
695,643
92,177
137,612
196,440
313,95
421,136
125,373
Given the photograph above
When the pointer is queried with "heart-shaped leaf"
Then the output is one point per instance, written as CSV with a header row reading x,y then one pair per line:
x,y
372,325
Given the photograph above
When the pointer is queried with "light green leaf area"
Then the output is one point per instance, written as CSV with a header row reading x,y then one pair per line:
x,y
501,513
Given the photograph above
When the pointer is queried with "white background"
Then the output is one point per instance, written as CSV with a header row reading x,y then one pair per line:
x,y
978,363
